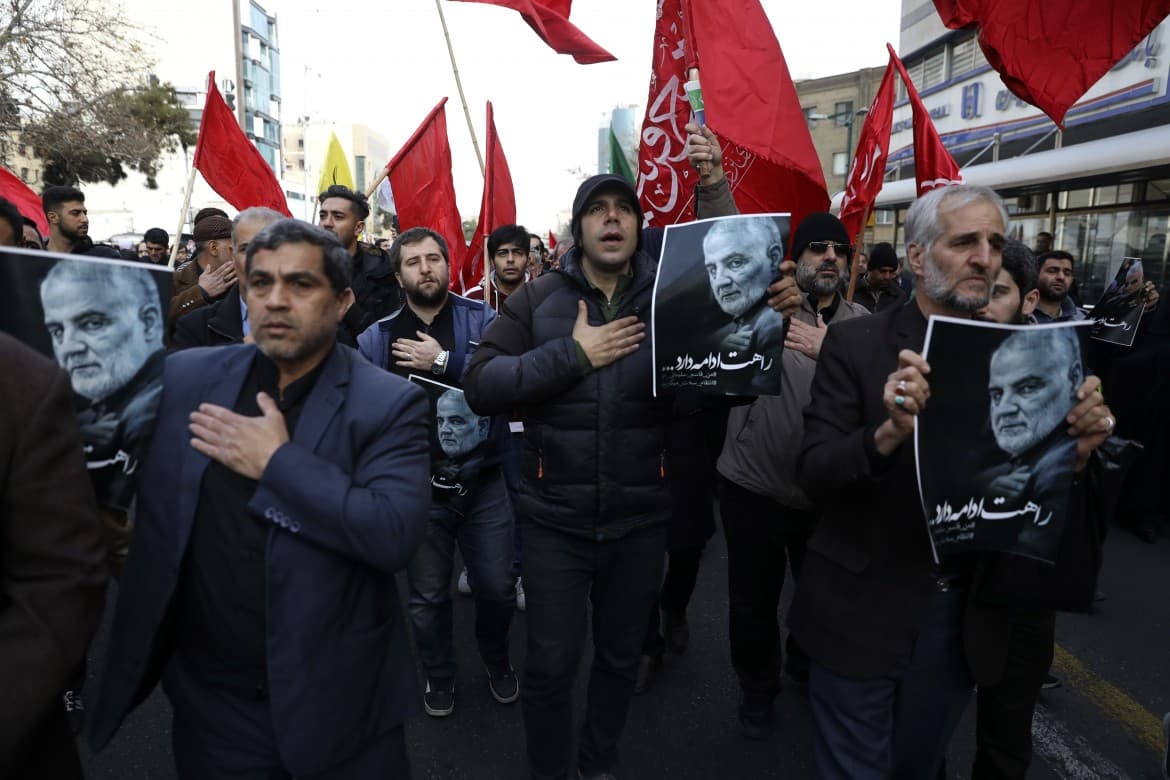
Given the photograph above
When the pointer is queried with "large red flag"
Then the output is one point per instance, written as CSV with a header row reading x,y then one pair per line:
x,y
424,192
869,162
496,209
750,103
27,202
550,20
1049,52
230,163
933,164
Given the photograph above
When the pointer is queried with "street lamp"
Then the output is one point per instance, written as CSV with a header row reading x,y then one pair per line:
x,y
848,117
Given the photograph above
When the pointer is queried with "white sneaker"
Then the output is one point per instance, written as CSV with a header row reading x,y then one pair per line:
x,y
520,602
463,587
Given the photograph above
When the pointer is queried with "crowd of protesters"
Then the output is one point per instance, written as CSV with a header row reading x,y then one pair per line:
x,y
291,477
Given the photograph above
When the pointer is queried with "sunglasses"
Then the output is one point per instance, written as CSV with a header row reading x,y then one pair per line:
x,y
820,247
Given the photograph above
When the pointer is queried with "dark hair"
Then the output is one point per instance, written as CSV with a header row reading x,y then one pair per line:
x,y
157,236
54,197
334,259
361,207
507,234
413,236
1019,261
1055,254
10,212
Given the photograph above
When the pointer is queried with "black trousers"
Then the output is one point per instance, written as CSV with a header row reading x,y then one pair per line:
x,y
763,536
1003,720
682,572
562,572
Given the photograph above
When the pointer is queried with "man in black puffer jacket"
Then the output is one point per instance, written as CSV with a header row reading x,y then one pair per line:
x,y
571,349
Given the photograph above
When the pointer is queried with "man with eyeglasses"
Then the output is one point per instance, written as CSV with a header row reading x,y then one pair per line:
x,y
507,247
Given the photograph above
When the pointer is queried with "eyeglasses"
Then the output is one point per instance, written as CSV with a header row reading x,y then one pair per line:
x,y
820,247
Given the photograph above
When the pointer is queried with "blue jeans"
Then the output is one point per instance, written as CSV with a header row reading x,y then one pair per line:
x,y
898,725
485,539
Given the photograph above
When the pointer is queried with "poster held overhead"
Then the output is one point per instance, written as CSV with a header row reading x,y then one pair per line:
x,y
712,328
1117,315
995,461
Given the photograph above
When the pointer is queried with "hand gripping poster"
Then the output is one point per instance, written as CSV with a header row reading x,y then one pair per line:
x,y
713,330
995,461
1119,312
104,322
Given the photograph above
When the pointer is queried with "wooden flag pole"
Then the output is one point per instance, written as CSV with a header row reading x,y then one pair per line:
x,y
853,274
459,86
375,184
182,216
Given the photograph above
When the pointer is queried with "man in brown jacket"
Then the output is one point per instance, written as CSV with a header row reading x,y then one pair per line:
x,y
205,279
52,564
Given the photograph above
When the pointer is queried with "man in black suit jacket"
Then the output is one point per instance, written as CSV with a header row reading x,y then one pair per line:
x,y
880,620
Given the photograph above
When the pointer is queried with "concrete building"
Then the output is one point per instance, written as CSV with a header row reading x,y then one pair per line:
x,y
1100,186
236,38
834,107
624,123
303,152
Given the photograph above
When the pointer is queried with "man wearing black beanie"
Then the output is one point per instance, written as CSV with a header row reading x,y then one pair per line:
x,y
881,290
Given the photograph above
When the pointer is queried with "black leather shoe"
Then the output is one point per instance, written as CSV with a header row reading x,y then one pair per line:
x,y
756,716
649,670
675,631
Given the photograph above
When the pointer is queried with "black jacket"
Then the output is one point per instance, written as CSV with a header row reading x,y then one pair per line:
x,y
211,326
375,290
594,460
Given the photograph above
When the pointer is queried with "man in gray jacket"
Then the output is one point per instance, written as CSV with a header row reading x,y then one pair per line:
x,y
766,516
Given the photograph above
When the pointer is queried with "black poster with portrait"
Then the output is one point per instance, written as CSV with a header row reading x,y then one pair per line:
x,y
995,461
1117,315
712,328
461,445
104,322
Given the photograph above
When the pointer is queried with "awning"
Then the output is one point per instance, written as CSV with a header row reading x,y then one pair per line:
x,y
1148,148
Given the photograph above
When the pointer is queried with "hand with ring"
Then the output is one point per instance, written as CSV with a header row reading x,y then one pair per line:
x,y
904,397
1090,421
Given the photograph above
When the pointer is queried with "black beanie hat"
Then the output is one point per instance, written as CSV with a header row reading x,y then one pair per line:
x,y
592,186
818,226
883,256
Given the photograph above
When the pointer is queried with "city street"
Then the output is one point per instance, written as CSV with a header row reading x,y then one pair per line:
x,y
1103,722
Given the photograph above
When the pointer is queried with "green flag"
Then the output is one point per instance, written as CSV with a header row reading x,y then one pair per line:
x,y
618,163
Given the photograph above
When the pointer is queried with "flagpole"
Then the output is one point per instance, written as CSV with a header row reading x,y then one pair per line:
x,y
182,216
459,86
853,275
370,190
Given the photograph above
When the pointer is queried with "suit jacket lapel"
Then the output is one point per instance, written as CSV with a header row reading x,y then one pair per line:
x,y
222,390
324,401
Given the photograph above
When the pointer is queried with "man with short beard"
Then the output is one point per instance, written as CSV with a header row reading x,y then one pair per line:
x,y
68,220
285,489
1054,283
507,246
879,619
432,336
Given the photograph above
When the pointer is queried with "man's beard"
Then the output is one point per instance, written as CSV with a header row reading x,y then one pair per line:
x,y
1050,297
71,234
808,279
426,300
935,284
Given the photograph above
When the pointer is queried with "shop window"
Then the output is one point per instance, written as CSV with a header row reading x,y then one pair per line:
x,y
1158,189
1076,199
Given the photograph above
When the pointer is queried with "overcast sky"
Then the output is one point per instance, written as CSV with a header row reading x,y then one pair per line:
x,y
385,64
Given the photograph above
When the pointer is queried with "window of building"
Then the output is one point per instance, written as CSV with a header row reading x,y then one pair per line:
x,y
883,217
808,112
843,113
840,163
934,70
963,57
1158,189
301,143
24,174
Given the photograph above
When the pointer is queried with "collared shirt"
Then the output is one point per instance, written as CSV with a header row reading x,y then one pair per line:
x,y
609,309
222,583
244,316
406,326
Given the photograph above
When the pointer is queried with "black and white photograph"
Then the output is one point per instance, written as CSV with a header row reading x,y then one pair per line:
x,y
103,321
995,461
1119,312
457,434
713,330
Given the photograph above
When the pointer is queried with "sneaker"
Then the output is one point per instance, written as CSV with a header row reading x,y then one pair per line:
x,y
503,684
464,587
675,631
439,697
1050,681
520,602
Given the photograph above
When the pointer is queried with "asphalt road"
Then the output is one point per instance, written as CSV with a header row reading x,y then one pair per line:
x,y
1100,724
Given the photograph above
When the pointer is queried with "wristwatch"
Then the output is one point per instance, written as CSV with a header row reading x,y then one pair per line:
x,y
440,364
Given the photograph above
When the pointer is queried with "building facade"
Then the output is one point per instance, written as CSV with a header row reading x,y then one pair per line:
x,y
303,152
1100,185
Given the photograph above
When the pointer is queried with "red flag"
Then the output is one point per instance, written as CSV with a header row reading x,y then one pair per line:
x,y
420,177
230,163
750,103
552,241
869,163
1049,52
550,20
27,202
496,209
933,164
